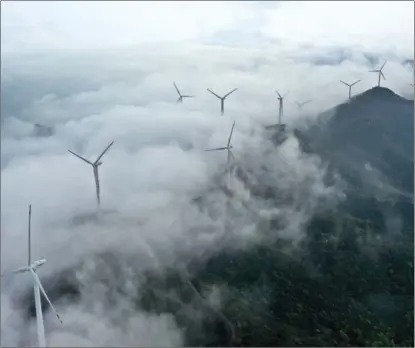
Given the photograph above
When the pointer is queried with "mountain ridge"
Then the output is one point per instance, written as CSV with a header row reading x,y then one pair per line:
x,y
375,127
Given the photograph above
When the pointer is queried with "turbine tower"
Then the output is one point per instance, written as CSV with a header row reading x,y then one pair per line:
x,y
95,166
181,96
281,106
350,87
222,99
228,147
300,105
37,287
380,73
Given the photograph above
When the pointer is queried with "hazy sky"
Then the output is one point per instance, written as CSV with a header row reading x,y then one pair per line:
x,y
382,25
61,67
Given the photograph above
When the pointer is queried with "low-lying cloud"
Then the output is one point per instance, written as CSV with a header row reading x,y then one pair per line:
x,y
154,171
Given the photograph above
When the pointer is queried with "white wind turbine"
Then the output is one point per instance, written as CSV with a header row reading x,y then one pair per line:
x,y
379,71
281,106
350,85
95,166
228,147
181,96
222,99
300,105
37,286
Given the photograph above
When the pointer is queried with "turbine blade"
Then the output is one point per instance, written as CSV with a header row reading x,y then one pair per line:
x,y
233,157
214,93
344,83
188,96
307,101
217,149
374,71
278,93
230,134
286,94
179,99
103,152
298,104
37,281
355,82
176,88
17,270
229,93
83,159
381,74
382,65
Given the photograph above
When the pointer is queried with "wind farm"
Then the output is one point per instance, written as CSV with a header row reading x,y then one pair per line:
x,y
229,189
291,236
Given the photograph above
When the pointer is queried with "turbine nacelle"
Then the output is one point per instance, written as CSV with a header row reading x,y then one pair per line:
x,y
281,97
36,264
32,267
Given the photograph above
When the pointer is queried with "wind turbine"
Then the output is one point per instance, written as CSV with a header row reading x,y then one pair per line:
x,y
281,106
37,287
300,105
380,73
95,166
350,87
228,147
180,100
222,99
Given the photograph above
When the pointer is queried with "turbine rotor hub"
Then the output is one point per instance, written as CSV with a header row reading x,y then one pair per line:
x,y
37,263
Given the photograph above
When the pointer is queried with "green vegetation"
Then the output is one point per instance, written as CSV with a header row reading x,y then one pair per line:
x,y
345,285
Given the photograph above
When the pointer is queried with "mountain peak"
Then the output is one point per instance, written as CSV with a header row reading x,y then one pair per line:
x,y
377,94
374,127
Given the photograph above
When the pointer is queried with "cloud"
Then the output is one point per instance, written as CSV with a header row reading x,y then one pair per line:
x,y
377,26
92,94
76,25
122,23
